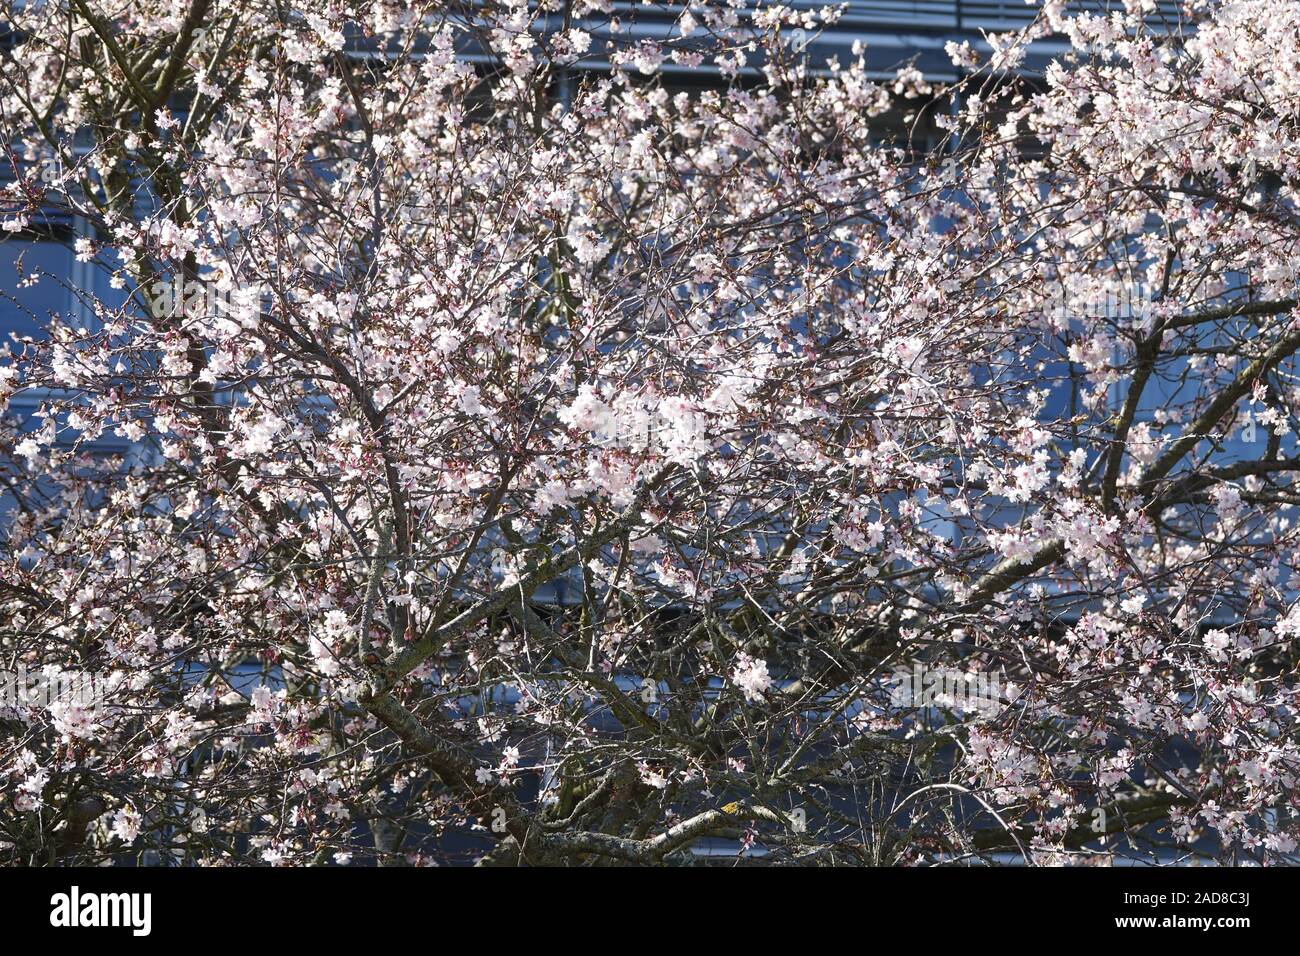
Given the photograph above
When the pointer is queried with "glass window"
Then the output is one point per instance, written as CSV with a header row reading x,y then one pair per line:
x,y
35,282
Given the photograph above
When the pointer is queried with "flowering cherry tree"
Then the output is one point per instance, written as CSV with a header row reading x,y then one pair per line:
x,y
551,442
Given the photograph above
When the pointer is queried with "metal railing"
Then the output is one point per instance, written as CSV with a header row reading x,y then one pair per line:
x,y
982,14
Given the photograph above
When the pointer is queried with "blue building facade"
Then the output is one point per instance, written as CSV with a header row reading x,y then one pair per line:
x,y
40,274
